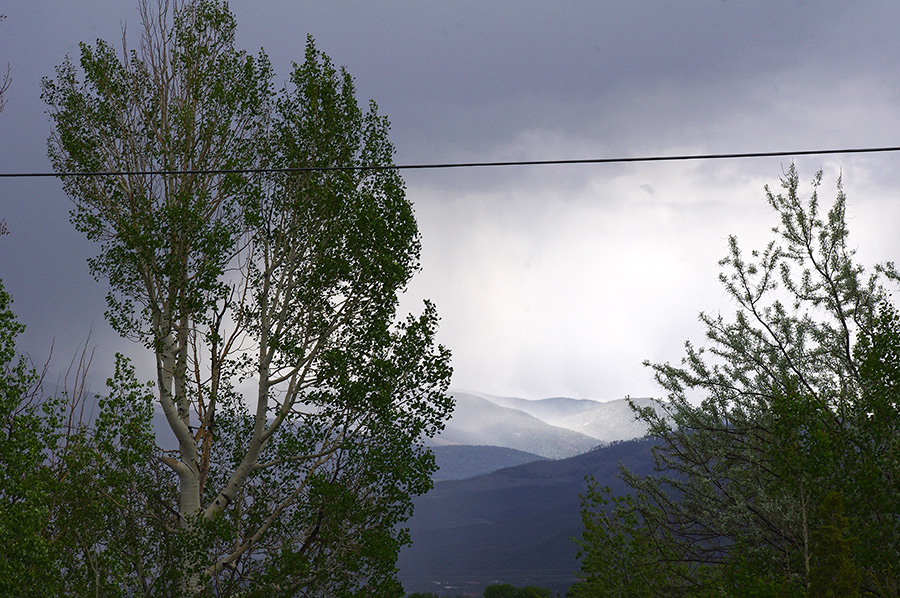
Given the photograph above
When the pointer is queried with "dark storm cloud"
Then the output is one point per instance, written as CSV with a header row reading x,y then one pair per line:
x,y
461,78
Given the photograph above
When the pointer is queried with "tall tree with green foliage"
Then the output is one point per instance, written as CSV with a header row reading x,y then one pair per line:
x,y
794,419
268,299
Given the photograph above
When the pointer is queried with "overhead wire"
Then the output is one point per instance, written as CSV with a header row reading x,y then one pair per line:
x,y
451,165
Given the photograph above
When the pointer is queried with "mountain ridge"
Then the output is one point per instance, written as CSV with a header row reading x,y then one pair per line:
x,y
458,462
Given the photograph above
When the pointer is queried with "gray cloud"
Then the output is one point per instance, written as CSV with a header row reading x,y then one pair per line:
x,y
550,280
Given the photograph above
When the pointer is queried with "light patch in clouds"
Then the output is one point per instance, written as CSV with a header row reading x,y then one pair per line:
x,y
547,293
552,294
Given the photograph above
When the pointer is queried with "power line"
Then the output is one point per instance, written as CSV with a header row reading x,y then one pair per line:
x,y
448,165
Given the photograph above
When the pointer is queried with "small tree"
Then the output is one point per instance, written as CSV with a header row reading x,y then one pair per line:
x,y
505,590
82,500
833,571
619,549
23,487
268,301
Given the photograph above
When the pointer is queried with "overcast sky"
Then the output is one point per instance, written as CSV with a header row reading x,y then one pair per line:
x,y
550,280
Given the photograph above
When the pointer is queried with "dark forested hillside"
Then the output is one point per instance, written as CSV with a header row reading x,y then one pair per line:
x,y
459,462
515,525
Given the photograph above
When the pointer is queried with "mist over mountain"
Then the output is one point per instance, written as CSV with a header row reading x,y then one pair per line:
x,y
555,428
552,411
609,421
479,421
